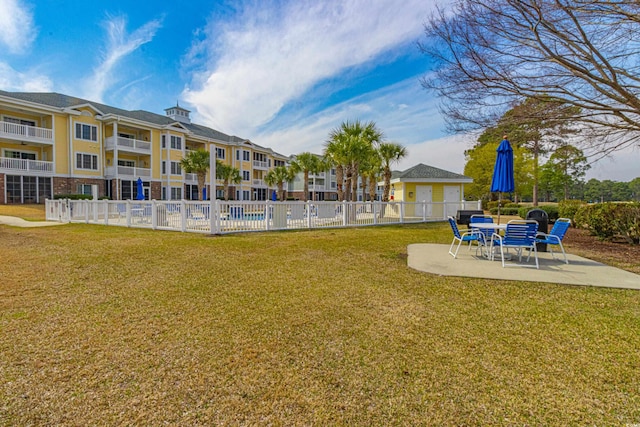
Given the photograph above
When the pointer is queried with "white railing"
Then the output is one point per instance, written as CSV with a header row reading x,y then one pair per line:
x,y
24,165
261,165
26,133
191,178
217,216
128,144
127,172
259,182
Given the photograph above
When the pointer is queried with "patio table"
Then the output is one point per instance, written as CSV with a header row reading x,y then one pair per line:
x,y
483,226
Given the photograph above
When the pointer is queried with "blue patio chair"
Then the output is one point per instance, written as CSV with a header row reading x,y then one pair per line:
x,y
519,235
487,232
466,236
555,236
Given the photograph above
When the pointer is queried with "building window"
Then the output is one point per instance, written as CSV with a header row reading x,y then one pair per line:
x,y
85,189
176,169
245,176
86,161
176,193
176,142
164,167
220,153
163,138
128,163
86,132
246,195
246,155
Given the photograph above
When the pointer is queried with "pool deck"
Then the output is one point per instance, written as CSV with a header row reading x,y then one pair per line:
x,y
435,259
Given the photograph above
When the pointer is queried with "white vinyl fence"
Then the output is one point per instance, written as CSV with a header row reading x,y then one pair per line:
x,y
219,217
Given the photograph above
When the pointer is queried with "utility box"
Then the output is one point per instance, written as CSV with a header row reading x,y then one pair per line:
x,y
542,219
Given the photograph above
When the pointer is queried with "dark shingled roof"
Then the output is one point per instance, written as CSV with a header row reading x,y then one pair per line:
x,y
59,100
422,171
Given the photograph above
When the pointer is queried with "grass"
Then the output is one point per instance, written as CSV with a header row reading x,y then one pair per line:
x,y
114,326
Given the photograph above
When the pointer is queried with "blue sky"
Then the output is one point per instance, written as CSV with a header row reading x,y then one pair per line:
x,y
280,73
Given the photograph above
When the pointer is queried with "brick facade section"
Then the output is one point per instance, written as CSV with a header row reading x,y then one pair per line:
x,y
2,190
70,185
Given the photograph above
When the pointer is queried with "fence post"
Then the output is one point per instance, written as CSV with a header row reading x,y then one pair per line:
x,y
267,207
106,212
344,213
402,212
154,215
183,215
424,211
308,213
212,214
128,210
373,211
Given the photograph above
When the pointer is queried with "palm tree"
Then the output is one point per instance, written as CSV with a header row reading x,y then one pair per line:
x,y
353,141
197,161
390,152
335,155
371,167
307,163
278,176
229,175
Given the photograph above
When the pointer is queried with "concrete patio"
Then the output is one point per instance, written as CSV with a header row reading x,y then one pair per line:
x,y
435,259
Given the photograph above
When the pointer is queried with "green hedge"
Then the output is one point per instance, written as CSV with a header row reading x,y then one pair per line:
x,y
73,196
504,211
611,219
568,209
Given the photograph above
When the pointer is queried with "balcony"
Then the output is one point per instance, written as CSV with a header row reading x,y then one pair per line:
x,y
130,145
260,165
26,133
127,172
259,183
191,178
34,167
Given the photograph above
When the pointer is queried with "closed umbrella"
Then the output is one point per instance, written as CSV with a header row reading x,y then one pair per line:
x,y
502,181
139,190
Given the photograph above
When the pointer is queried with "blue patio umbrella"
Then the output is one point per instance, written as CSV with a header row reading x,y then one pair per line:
x,y
503,181
139,190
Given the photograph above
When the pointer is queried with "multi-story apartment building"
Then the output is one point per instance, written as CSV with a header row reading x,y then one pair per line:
x,y
54,144
322,185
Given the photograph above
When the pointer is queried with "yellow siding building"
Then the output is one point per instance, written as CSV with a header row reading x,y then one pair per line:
x,y
53,144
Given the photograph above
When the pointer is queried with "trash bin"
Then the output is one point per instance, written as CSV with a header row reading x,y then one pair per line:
x,y
542,219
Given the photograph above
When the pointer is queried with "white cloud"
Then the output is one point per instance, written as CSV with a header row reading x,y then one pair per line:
x,y
119,45
31,81
17,30
268,55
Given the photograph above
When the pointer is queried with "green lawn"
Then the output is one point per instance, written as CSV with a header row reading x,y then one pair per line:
x,y
115,326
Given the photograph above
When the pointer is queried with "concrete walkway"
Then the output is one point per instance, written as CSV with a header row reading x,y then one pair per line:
x,y
19,222
435,259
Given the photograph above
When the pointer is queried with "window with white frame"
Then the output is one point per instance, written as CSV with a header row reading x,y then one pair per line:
x,y
237,154
128,163
176,142
85,189
86,132
176,169
246,195
246,156
86,161
245,176
176,193
220,153
163,139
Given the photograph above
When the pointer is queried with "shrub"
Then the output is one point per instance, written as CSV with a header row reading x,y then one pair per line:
x,y
511,205
608,220
504,211
494,203
73,196
568,209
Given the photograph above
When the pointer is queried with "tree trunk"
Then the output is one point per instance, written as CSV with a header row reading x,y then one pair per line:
x,y
339,182
201,179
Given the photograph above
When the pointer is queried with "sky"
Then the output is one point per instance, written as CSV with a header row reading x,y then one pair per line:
x,y
280,73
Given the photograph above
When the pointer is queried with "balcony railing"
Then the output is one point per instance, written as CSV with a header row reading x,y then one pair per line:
x,y
22,165
191,178
26,133
128,144
260,165
127,172
259,183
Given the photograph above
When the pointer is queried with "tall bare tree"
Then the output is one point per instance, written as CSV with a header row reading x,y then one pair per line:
x,y
489,54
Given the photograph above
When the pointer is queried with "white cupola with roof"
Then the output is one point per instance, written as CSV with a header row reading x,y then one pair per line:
x,y
178,114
